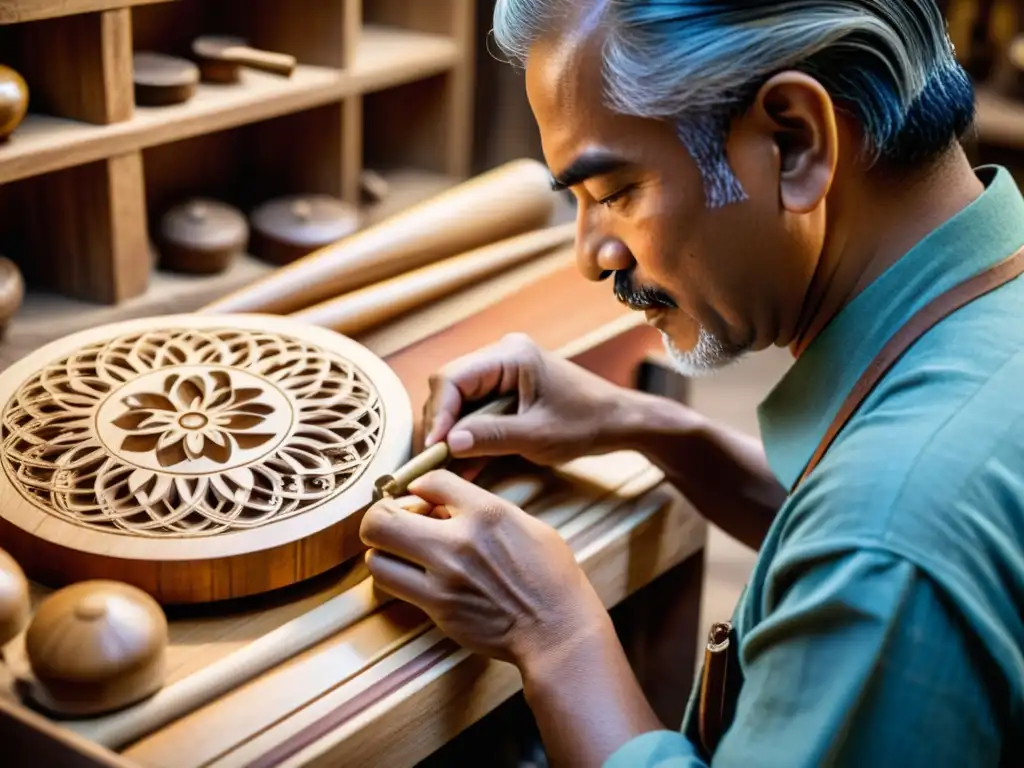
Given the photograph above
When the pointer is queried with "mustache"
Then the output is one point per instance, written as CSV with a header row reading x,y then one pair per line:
x,y
639,297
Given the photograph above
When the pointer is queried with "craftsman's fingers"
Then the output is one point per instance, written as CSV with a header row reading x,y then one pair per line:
x,y
400,579
391,526
486,435
457,495
493,369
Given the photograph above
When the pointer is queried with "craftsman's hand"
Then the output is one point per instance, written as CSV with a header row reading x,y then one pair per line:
x,y
564,411
493,578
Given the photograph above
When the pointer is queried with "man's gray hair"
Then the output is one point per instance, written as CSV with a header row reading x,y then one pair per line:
x,y
697,63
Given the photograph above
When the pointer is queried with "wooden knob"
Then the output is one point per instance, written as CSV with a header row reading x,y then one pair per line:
x,y
14,599
13,101
95,647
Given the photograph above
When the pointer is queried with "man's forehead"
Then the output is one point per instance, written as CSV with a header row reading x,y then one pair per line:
x,y
561,67
563,82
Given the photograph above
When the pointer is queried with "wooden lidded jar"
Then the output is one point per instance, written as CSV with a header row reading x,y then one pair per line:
x,y
202,236
289,228
13,101
96,646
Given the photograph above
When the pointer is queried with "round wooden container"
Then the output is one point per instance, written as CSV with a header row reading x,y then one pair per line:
x,y
96,647
197,457
13,101
161,80
288,228
202,236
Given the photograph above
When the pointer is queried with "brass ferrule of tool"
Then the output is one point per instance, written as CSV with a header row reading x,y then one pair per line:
x,y
434,457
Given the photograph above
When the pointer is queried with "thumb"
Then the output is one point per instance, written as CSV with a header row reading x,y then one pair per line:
x,y
486,435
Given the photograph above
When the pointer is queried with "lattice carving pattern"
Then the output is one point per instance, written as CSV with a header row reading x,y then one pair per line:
x,y
186,432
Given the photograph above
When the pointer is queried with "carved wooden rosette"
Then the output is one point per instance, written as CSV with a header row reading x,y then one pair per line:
x,y
198,457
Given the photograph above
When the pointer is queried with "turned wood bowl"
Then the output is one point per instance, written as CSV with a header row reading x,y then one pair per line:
x,y
13,101
198,457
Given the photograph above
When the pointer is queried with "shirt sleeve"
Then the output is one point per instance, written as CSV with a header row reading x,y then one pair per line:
x,y
860,661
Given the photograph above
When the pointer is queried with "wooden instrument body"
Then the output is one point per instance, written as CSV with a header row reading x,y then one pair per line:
x,y
196,457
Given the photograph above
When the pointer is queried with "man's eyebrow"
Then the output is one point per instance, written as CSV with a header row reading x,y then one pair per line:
x,y
587,166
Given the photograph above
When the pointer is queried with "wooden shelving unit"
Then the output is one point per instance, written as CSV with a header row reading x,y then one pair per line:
x,y
385,84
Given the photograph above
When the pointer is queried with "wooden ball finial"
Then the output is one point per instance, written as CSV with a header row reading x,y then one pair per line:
x,y
95,647
13,101
14,599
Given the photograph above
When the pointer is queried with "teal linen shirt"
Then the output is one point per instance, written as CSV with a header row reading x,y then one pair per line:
x,y
883,623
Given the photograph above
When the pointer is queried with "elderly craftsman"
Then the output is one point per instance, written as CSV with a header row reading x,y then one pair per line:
x,y
749,174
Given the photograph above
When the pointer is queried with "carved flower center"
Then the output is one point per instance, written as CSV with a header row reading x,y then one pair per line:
x,y
193,420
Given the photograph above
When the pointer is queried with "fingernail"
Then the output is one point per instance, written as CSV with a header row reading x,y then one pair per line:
x,y
460,440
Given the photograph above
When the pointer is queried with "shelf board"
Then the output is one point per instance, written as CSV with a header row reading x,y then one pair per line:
x,y
17,11
385,57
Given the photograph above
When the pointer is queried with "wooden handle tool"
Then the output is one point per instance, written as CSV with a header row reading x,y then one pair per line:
x,y
356,312
235,52
509,200
434,457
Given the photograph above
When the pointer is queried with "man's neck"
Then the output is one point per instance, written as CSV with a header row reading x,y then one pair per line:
x,y
877,222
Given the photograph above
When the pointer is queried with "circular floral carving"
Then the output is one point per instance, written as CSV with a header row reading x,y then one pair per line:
x,y
190,432
194,420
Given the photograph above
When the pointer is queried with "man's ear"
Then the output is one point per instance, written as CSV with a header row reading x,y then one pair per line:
x,y
798,114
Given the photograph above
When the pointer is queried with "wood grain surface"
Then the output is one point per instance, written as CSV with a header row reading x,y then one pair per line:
x,y
390,687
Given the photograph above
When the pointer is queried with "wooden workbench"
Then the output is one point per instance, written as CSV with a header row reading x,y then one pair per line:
x,y
391,690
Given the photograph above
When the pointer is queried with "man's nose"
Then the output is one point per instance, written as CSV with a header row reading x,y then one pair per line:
x,y
599,255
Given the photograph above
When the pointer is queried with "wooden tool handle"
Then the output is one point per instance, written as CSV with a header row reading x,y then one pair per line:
x,y
434,457
234,50
266,61
506,201
356,312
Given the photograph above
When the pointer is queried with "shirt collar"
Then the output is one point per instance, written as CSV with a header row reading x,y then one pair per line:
x,y
797,412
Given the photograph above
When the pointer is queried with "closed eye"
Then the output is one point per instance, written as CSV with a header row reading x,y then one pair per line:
x,y
612,198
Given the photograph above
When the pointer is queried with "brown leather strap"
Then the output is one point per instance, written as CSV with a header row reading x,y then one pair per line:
x,y
926,318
